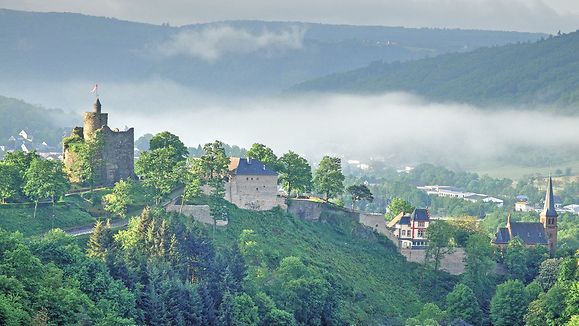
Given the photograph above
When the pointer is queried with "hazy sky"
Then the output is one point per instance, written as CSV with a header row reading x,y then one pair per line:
x,y
521,15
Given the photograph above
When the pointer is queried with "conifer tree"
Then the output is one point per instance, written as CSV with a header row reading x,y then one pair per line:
x,y
100,240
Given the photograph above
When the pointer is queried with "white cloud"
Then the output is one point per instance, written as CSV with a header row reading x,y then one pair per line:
x,y
211,43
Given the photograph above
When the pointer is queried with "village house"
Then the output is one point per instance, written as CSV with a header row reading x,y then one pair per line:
x,y
410,229
542,233
252,185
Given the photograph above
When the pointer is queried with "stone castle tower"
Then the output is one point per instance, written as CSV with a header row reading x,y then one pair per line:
x,y
548,218
117,151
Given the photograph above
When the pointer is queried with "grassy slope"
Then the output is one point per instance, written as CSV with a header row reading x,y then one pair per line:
x,y
379,282
74,211
20,218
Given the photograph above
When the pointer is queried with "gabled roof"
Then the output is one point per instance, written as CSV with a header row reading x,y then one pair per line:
x,y
420,214
532,233
529,232
502,236
405,220
249,166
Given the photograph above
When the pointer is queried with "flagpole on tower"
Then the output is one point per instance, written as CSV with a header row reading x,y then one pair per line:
x,y
95,90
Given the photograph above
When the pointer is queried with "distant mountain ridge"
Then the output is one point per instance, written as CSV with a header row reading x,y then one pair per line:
x,y
543,73
252,57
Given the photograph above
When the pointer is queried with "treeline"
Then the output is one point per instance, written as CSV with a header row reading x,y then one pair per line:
x,y
26,176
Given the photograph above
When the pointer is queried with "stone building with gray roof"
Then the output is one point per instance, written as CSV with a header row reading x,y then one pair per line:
x,y
252,185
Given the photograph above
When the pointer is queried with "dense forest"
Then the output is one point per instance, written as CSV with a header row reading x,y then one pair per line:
x,y
531,73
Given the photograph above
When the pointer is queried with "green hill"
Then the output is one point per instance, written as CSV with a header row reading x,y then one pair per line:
x,y
369,282
376,284
541,73
43,124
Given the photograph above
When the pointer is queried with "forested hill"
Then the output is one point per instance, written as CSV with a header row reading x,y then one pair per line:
x,y
544,73
220,56
42,124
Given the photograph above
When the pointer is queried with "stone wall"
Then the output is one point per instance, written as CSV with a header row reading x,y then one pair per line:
x,y
118,155
200,213
452,263
305,209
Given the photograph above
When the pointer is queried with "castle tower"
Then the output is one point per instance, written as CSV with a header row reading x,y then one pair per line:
x,y
94,120
548,218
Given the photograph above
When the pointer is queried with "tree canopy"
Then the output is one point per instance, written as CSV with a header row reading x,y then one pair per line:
x,y
328,178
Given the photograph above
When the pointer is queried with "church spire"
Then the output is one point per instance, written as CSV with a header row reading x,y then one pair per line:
x,y
549,208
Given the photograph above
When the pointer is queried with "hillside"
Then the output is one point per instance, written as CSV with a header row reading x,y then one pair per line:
x,y
43,124
541,73
371,283
216,56
376,283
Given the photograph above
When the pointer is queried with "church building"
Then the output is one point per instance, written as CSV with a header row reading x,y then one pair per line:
x,y
542,233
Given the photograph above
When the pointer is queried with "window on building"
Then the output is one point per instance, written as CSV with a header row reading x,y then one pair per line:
x,y
247,178
420,224
420,233
256,189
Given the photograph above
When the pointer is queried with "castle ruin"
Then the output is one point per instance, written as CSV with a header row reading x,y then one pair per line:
x,y
116,150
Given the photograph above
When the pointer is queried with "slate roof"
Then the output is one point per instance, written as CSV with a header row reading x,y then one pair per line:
x,y
249,166
404,220
531,233
420,214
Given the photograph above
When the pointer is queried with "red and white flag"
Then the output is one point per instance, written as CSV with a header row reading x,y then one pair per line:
x,y
95,88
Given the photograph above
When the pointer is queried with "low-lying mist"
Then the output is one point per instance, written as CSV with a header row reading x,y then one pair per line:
x,y
398,128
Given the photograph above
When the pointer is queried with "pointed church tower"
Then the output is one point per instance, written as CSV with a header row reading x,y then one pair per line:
x,y
548,218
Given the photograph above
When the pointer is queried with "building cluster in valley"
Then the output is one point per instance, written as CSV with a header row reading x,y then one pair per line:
x,y
453,192
25,141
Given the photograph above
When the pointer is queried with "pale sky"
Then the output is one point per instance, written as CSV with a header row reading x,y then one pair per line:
x,y
547,16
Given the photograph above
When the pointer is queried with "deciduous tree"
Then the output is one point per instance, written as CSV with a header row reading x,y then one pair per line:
x,y
10,181
295,173
397,206
45,179
509,304
264,154
116,203
462,304
159,171
328,178
439,235
166,139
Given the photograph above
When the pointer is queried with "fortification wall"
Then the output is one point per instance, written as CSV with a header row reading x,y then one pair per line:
x,y
452,263
200,213
118,155
305,209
